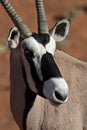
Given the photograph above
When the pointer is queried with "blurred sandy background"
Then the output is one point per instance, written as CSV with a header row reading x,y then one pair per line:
x,y
75,44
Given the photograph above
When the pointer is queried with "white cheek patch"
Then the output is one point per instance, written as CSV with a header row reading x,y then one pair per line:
x,y
43,50
37,63
30,80
32,45
51,46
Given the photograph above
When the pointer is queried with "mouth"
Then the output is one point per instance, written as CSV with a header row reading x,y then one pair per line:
x,y
58,98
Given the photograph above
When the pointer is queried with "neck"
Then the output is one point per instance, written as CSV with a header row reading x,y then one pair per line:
x,y
69,65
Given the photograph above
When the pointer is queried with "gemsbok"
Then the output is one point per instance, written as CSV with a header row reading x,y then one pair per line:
x,y
48,86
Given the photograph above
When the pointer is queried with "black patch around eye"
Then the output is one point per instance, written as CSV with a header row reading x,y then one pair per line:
x,y
38,82
60,30
28,53
42,38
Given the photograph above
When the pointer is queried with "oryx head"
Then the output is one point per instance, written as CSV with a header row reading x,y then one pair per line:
x,y
38,50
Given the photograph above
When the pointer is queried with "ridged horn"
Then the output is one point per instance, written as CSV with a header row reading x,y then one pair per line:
x,y
42,21
17,20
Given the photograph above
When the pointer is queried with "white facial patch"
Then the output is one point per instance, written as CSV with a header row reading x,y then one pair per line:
x,y
37,63
28,75
37,48
51,46
60,86
32,45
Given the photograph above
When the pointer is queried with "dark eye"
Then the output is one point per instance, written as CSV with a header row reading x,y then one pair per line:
x,y
28,53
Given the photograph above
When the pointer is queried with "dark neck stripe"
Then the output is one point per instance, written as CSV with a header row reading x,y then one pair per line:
x,y
29,98
49,68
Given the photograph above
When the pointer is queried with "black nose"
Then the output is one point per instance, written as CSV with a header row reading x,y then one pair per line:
x,y
60,96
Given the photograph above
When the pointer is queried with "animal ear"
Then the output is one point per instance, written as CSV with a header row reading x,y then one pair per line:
x,y
60,30
13,38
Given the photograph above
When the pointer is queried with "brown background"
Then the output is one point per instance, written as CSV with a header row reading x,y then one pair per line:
x,y
75,44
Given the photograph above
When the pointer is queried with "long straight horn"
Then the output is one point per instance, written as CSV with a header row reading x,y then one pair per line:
x,y
42,22
17,20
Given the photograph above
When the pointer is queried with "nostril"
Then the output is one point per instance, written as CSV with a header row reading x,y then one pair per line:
x,y
59,96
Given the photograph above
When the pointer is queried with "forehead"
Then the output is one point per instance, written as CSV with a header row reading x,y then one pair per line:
x,y
42,38
39,44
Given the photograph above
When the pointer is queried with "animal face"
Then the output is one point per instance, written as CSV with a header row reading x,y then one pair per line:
x,y
38,50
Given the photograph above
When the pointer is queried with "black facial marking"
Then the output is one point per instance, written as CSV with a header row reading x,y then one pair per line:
x,y
28,53
42,38
48,67
38,82
60,30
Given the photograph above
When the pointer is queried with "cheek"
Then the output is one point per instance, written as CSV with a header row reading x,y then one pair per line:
x,y
37,64
31,82
29,78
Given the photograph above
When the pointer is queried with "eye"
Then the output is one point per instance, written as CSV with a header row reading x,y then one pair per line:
x,y
28,53
33,46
